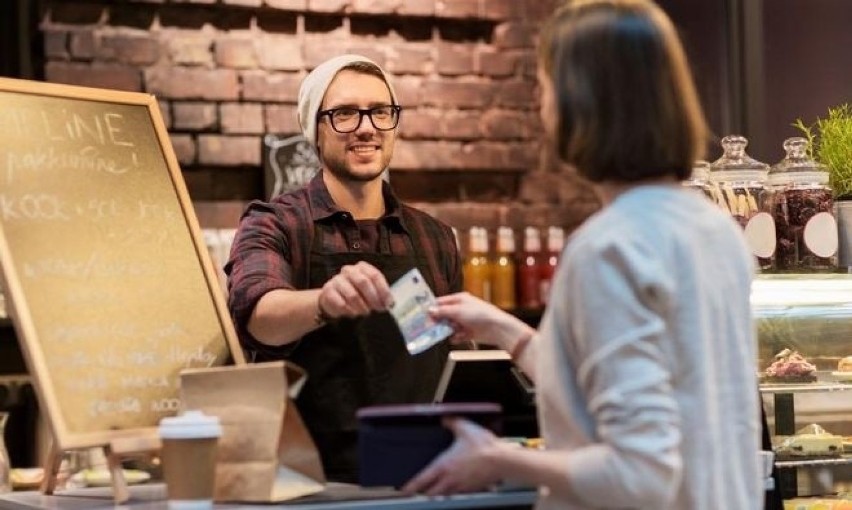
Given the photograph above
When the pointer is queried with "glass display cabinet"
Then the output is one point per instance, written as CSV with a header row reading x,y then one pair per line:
x,y
810,314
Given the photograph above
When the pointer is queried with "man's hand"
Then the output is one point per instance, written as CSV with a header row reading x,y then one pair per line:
x,y
357,290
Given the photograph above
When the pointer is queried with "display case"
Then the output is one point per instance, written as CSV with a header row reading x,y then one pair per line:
x,y
810,314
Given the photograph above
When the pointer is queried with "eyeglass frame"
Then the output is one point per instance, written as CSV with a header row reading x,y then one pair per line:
x,y
368,112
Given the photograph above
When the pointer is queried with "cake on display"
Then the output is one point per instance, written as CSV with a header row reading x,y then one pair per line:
x,y
790,367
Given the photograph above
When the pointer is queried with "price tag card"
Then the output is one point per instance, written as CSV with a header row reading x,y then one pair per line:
x,y
412,298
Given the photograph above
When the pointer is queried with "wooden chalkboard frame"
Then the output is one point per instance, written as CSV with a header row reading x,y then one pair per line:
x,y
17,302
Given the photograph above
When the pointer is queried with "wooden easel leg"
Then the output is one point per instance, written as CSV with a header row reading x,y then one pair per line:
x,y
119,484
51,469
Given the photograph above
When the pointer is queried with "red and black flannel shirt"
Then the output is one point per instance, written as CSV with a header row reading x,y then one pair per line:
x,y
271,247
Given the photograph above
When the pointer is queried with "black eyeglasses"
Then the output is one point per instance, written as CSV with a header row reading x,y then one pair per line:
x,y
347,119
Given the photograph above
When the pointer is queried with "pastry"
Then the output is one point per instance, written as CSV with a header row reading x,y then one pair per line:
x,y
812,440
845,364
790,367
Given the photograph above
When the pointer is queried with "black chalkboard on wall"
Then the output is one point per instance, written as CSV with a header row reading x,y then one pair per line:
x,y
108,282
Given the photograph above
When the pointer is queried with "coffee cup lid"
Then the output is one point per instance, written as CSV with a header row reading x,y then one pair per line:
x,y
190,425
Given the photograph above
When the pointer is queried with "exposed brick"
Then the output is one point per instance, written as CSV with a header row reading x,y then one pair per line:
x,y
420,124
455,59
235,53
483,155
504,124
461,125
457,8
109,76
504,9
497,64
56,44
192,83
280,53
374,52
241,118
166,113
317,50
76,13
516,94
243,3
522,155
184,147
513,34
228,150
528,62
195,116
271,87
408,91
130,49
83,44
454,94
376,6
281,119
420,155
293,5
190,48
417,8
409,59
329,5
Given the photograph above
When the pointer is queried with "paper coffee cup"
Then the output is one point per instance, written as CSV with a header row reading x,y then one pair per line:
x,y
189,459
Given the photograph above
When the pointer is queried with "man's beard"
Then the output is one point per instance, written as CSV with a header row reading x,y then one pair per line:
x,y
341,170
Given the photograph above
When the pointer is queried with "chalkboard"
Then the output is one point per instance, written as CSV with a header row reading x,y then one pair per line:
x,y
108,281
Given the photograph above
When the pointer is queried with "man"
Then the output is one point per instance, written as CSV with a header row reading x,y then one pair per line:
x,y
309,271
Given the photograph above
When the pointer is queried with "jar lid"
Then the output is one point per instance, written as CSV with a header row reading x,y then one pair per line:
x,y
797,167
190,425
700,171
735,164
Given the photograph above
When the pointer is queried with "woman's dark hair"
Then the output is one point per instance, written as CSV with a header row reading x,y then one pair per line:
x,y
626,102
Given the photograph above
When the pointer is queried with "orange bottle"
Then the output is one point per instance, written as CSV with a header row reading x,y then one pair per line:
x,y
476,269
529,271
503,271
555,240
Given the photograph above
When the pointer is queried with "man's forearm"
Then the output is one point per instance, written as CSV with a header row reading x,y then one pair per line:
x,y
283,316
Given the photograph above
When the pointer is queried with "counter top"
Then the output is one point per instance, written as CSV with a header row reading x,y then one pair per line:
x,y
335,497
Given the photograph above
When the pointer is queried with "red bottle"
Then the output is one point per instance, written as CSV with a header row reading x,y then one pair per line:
x,y
529,271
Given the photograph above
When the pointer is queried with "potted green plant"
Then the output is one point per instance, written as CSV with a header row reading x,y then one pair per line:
x,y
831,144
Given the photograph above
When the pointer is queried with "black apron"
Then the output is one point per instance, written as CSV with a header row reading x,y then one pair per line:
x,y
354,363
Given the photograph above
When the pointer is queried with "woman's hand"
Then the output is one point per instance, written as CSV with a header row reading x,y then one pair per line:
x,y
467,466
475,319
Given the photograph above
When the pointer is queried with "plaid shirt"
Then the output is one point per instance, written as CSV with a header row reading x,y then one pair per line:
x,y
272,245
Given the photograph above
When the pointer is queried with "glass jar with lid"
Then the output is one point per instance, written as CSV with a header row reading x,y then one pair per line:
x,y
739,186
805,224
699,180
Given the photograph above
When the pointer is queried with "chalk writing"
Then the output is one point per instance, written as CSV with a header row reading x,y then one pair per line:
x,y
190,357
141,381
115,406
89,159
68,333
89,383
165,405
93,267
39,206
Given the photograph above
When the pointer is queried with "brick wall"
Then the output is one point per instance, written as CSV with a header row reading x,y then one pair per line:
x,y
227,71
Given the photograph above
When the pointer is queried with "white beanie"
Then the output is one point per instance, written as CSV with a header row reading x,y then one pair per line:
x,y
313,88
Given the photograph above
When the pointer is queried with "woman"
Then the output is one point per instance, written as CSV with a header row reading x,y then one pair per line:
x,y
644,361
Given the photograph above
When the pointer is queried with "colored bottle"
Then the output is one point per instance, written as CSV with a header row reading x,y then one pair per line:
x,y
476,268
555,240
503,271
529,271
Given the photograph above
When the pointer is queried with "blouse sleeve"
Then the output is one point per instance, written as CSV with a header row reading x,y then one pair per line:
x,y
623,367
